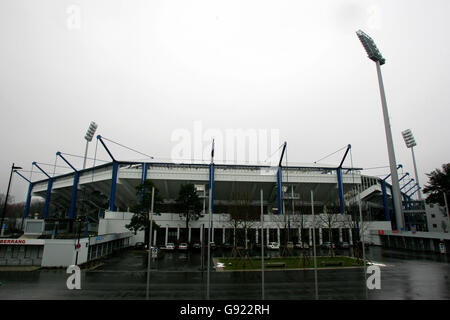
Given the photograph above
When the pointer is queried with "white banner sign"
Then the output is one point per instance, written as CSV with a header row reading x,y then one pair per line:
x,y
22,241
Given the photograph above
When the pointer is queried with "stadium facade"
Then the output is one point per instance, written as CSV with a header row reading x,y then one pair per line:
x,y
98,201
111,189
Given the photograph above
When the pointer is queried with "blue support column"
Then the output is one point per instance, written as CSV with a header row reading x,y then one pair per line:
x,y
28,201
49,190
280,190
27,204
385,201
340,190
48,197
76,179
143,178
112,197
339,181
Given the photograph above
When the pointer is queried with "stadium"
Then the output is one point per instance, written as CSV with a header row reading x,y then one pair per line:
x,y
86,212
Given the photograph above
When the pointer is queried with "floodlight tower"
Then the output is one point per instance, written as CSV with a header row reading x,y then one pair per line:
x,y
89,134
375,55
411,143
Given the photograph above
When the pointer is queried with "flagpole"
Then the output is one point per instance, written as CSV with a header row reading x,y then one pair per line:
x,y
210,228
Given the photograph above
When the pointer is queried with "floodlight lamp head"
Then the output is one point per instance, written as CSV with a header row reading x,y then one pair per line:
x,y
90,131
409,138
370,47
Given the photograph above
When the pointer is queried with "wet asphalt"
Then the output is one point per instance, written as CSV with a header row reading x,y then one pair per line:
x,y
404,276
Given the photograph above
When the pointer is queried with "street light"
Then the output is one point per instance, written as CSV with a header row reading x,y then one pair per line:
x,y
411,143
13,167
375,55
89,134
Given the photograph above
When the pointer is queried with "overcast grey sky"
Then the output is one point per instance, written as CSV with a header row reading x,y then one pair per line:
x,y
143,69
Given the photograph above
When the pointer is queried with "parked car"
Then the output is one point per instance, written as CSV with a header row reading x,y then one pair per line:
x,y
139,246
298,245
343,245
273,246
305,245
183,246
227,245
212,245
170,246
196,245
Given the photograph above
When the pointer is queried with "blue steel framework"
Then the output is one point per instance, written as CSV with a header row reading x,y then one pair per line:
x,y
28,201
384,192
411,180
406,197
112,196
339,181
280,181
143,178
49,190
76,179
115,164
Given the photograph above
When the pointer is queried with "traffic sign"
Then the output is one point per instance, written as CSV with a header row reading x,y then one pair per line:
x,y
442,247
154,252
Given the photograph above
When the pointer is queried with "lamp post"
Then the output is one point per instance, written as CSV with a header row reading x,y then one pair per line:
x,y
6,198
202,188
375,55
411,143
89,134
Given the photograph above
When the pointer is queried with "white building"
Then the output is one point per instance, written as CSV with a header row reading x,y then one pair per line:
x,y
437,218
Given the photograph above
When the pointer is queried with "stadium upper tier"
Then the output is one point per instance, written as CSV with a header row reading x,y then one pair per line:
x,y
117,181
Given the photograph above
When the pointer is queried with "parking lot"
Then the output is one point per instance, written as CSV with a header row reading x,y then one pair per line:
x,y
177,276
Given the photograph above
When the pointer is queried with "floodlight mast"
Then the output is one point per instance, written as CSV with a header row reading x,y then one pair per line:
x,y
411,143
375,55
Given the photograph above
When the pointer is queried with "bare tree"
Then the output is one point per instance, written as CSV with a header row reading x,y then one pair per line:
x,y
242,217
330,219
357,228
